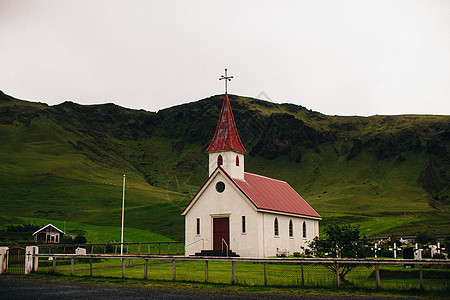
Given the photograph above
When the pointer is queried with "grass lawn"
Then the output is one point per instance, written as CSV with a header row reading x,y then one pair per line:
x,y
102,234
369,225
394,278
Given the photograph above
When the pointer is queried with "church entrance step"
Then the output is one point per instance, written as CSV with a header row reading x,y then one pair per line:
x,y
216,253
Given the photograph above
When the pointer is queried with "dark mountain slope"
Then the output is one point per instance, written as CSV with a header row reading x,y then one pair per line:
x,y
377,166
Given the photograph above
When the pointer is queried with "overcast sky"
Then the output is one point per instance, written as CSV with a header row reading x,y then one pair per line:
x,y
336,57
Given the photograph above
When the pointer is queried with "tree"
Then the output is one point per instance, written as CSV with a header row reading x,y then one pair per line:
x,y
80,239
342,241
424,238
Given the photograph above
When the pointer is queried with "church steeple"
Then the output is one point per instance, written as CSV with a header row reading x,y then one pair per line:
x,y
226,136
226,149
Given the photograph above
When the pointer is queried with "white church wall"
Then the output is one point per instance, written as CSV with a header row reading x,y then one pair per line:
x,y
212,204
229,163
283,241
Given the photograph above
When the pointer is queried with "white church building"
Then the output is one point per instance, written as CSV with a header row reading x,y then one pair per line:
x,y
248,214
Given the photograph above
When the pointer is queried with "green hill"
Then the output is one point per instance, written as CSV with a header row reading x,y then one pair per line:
x,y
388,174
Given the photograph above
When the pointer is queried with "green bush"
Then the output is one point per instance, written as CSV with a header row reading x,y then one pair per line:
x,y
438,256
386,253
80,239
426,254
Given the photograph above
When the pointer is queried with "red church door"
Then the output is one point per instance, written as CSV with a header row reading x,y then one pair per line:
x,y
221,230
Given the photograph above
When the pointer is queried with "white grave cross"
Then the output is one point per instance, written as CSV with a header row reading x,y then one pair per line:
x,y
376,249
395,249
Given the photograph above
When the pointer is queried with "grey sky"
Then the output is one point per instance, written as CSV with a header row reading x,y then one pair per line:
x,y
336,57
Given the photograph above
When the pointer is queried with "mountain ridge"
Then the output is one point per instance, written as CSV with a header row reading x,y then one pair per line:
x,y
339,164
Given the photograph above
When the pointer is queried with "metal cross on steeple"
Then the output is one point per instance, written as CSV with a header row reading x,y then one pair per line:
x,y
227,78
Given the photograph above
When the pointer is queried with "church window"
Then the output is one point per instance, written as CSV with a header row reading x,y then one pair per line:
x,y
243,224
291,229
275,227
237,161
304,229
198,226
220,187
219,160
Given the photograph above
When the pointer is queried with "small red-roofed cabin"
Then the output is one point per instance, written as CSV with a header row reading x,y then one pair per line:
x,y
250,215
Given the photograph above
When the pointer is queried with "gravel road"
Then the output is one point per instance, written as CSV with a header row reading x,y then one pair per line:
x,y
18,287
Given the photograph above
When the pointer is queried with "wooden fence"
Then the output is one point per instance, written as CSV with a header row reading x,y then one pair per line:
x,y
375,264
158,248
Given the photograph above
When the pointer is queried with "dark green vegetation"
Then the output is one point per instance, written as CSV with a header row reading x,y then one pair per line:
x,y
340,241
388,174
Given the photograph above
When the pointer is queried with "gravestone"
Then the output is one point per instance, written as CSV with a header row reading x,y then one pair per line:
x,y
434,250
418,254
80,251
408,253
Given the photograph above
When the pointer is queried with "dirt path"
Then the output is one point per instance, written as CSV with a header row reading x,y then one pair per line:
x,y
19,287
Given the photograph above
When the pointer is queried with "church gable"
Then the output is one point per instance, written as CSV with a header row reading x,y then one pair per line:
x,y
213,186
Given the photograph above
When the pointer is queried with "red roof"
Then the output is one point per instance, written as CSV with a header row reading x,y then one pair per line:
x,y
226,136
275,195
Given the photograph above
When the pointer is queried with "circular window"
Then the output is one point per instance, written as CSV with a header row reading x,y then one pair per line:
x,y
220,186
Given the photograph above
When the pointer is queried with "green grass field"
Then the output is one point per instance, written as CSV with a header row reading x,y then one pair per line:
x,y
393,277
102,234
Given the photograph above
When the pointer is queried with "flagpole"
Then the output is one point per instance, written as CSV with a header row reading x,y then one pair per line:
x,y
123,212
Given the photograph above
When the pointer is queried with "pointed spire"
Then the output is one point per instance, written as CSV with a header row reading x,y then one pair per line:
x,y
226,136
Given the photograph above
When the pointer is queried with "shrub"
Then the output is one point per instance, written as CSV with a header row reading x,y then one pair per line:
x,y
386,253
439,256
424,238
80,239
426,254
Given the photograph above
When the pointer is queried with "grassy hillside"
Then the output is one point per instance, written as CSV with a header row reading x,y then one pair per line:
x,y
388,174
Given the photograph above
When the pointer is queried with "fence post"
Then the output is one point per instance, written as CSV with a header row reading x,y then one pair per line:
x,y
54,264
337,274
123,267
127,248
139,248
265,274
145,268
206,271
115,250
421,276
72,262
92,249
148,248
104,249
168,249
159,251
303,278
90,267
377,275
174,270
232,271
178,248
